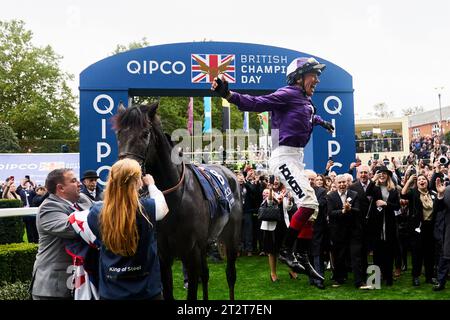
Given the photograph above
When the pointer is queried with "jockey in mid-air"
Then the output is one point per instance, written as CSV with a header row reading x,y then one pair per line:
x,y
293,119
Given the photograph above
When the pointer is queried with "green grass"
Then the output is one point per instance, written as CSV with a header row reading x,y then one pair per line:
x,y
253,284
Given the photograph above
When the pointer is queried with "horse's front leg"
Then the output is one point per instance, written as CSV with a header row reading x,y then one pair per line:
x,y
193,268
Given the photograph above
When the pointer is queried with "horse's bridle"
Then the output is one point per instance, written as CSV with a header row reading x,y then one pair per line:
x,y
123,155
141,160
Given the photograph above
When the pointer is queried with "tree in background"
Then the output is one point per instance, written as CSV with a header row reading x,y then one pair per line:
x,y
412,111
381,111
35,99
131,46
8,139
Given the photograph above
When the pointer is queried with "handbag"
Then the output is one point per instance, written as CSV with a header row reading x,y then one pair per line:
x,y
269,212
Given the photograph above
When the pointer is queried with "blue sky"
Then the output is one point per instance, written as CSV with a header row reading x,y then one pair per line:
x,y
397,51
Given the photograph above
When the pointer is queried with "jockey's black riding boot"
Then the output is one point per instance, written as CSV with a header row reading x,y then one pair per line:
x,y
309,270
286,253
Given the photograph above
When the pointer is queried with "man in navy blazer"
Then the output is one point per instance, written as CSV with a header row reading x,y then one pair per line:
x,y
344,218
364,188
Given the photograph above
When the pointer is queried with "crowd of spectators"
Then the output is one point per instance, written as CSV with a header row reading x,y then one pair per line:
x,y
377,213
32,195
427,148
394,213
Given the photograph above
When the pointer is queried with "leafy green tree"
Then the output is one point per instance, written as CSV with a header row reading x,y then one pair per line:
x,y
8,139
409,111
447,138
35,99
381,110
131,46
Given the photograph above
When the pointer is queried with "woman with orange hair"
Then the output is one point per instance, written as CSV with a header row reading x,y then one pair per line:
x,y
125,225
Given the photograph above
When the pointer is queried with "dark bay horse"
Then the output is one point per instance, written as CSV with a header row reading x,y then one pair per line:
x,y
187,228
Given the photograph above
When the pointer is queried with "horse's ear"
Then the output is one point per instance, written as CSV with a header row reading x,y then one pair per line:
x,y
121,108
152,109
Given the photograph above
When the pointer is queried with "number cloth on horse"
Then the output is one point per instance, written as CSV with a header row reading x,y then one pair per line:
x,y
215,189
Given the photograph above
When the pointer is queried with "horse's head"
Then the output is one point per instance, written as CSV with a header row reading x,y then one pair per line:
x,y
135,130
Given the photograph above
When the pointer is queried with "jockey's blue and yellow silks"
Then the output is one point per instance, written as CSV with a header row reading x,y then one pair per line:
x,y
135,277
293,114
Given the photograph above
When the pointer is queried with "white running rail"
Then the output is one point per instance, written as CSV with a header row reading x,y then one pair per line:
x,y
17,212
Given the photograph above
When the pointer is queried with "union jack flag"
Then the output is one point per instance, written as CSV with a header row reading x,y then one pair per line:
x,y
205,67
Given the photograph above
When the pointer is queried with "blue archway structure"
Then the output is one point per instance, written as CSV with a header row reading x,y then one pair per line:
x,y
175,70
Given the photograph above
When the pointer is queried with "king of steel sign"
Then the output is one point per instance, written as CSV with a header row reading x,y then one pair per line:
x,y
187,69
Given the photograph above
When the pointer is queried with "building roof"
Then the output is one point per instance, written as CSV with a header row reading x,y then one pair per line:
x,y
429,117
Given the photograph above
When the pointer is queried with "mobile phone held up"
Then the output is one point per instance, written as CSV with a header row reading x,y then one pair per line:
x,y
271,179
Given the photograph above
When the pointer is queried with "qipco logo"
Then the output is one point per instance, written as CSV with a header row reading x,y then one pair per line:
x,y
103,104
152,66
333,106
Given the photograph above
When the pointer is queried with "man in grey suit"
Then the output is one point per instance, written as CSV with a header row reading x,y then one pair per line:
x,y
52,268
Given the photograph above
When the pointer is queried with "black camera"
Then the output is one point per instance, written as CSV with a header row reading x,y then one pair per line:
x,y
412,171
443,160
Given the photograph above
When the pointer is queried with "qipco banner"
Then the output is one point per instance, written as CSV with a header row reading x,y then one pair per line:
x,y
36,165
187,69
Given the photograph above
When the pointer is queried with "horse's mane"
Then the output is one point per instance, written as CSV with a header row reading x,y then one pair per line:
x,y
136,117
132,117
